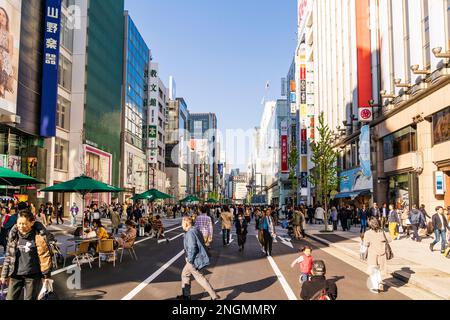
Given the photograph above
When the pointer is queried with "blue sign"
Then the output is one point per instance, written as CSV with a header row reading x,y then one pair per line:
x,y
220,169
49,98
293,97
364,151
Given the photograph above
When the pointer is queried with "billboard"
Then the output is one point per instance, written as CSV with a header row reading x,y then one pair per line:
x,y
10,19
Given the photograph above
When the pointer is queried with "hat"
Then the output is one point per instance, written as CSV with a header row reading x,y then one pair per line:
x,y
319,268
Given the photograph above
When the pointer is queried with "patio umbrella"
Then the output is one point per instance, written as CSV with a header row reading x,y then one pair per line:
x,y
212,201
82,185
12,178
190,198
153,195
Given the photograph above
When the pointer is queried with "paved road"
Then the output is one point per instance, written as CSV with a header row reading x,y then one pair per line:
x,y
235,276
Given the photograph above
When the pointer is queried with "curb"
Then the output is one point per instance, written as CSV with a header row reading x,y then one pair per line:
x,y
399,275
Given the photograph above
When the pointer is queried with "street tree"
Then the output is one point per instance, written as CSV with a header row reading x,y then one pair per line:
x,y
325,176
293,162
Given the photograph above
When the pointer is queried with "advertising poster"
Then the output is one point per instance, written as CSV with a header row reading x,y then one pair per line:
x,y
10,18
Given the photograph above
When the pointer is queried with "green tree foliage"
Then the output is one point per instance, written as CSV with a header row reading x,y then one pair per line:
x,y
293,162
325,176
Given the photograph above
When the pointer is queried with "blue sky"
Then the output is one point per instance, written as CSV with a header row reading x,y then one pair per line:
x,y
221,53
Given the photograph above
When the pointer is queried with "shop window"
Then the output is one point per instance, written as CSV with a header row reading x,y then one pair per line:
x,y
400,143
61,154
441,126
63,113
65,73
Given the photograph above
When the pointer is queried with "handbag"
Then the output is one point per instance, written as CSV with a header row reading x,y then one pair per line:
x,y
2,293
389,252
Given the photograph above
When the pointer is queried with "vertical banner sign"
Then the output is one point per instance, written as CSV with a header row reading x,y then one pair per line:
x,y
49,96
284,147
364,54
302,72
153,91
364,151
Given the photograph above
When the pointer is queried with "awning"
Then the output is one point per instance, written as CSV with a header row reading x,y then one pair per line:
x,y
353,195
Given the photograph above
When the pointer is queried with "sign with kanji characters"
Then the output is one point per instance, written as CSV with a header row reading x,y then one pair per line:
x,y
49,96
284,154
152,132
9,52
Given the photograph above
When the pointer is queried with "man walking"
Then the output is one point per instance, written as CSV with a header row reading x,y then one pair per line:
x,y
384,215
375,212
415,217
440,226
363,214
196,260
227,217
204,224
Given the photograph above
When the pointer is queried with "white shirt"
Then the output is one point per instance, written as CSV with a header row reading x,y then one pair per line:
x,y
442,221
320,213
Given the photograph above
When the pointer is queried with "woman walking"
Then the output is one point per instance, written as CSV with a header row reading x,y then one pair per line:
x,y
375,240
268,231
393,222
241,231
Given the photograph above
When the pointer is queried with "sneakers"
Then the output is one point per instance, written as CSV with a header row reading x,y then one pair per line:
x,y
431,247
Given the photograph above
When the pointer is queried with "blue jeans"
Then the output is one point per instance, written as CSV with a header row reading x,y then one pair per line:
x,y
363,226
226,236
442,234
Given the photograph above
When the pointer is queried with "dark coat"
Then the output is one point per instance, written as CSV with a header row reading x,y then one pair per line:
x,y
241,230
437,225
316,284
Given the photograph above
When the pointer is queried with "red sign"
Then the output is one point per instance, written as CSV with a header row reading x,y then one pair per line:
x,y
364,54
284,154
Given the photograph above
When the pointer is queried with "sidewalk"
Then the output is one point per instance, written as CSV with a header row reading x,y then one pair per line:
x,y
413,262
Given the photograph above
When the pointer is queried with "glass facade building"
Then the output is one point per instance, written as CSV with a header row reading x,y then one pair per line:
x,y
104,69
137,61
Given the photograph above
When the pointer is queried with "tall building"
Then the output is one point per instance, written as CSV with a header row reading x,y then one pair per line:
x,y
136,57
381,78
22,148
204,144
97,77
177,138
157,119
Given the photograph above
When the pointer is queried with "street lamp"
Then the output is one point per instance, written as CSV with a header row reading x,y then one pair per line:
x,y
399,84
415,70
386,95
438,53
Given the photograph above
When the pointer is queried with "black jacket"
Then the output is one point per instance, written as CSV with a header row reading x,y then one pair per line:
x,y
318,283
437,225
241,230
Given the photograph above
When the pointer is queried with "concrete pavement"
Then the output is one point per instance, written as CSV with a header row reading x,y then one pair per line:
x,y
413,262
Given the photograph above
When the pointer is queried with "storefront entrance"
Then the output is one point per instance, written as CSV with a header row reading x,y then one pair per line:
x,y
403,190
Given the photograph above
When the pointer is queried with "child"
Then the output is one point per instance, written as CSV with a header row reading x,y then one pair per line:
x,y
306,262
362,249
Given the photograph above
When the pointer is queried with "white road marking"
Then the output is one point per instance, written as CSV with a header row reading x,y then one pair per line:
x,y
287,289
147,281
171,239
286,242
148,238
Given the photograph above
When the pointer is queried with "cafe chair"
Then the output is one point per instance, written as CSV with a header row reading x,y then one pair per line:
x,y
106,247
130,249
81,253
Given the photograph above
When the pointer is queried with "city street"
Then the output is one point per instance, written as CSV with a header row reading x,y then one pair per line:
x,y
235,276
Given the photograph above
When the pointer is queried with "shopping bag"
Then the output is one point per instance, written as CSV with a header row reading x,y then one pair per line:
x,y
47,292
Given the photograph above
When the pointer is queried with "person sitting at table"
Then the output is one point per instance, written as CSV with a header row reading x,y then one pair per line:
x,y
158,227
84,230
127,237
101,232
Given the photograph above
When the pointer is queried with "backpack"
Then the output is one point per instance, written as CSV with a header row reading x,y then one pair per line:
x,y
321,295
